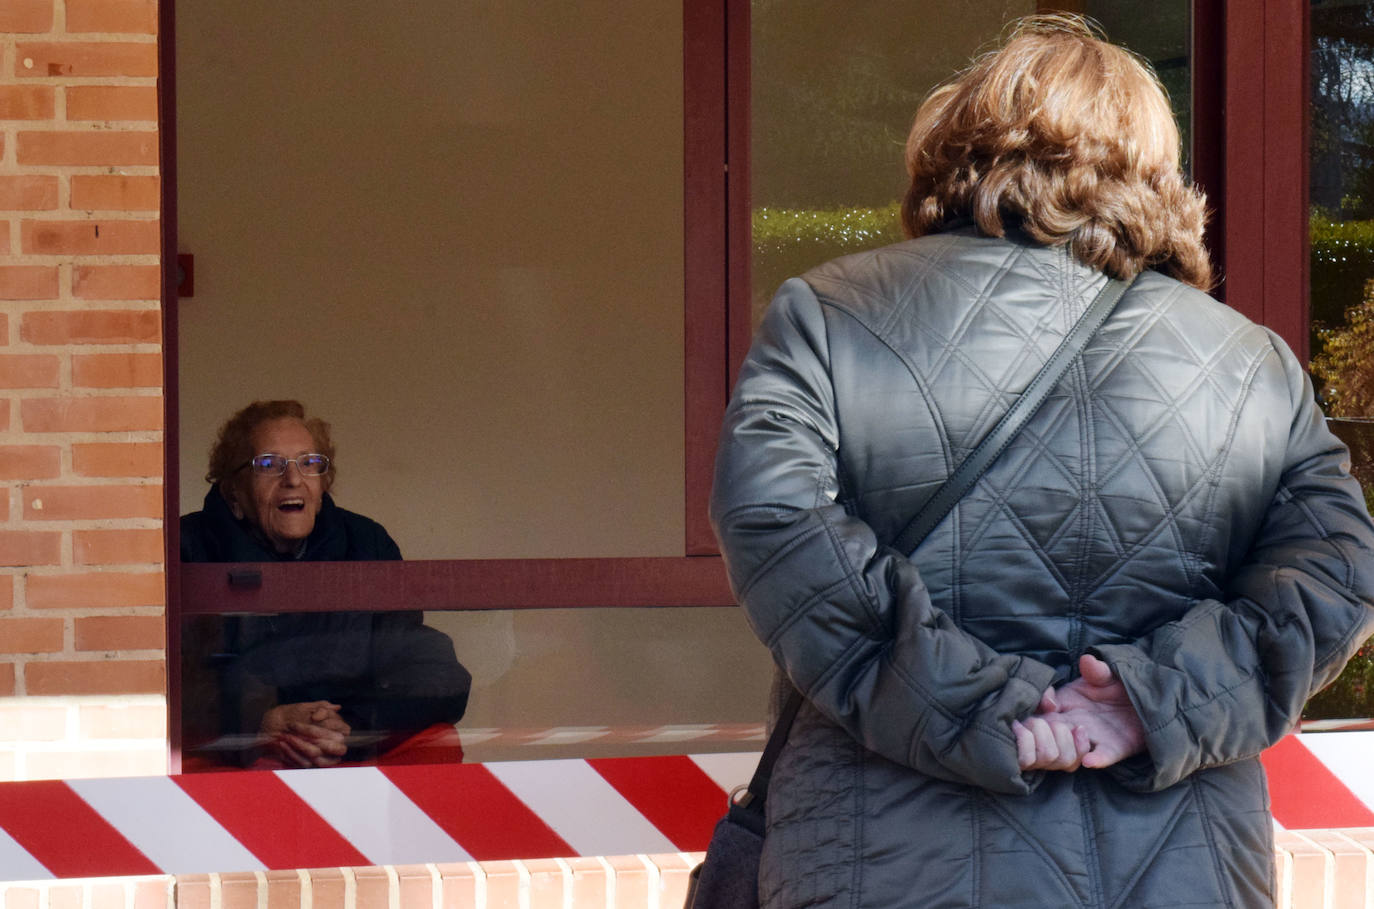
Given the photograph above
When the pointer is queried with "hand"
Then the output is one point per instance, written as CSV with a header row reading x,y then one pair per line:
x,y
1045,741
307,734
1097,703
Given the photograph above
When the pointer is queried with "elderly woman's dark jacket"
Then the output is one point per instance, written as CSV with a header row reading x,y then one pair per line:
x,y
1177,507
391,674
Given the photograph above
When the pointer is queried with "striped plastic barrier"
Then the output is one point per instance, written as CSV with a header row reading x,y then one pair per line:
x,y
264,820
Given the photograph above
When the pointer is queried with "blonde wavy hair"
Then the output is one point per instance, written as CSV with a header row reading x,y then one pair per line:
x,y
1068,138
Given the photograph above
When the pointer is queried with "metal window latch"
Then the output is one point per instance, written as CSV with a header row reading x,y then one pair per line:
x,y
245,578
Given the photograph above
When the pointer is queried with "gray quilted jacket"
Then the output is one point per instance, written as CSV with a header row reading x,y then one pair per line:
x,y
1177,507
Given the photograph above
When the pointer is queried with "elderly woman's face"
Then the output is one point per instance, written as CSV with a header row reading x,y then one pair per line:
x,y
282,507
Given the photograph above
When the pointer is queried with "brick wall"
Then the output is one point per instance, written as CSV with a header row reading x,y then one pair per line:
x,y
82,664
1316,869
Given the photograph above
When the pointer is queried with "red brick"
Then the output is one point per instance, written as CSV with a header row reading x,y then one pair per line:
x,y
29,462
673,871
108,413
88,762
117,282
28,192
89,147
29,370
414,885
328,887
27,102
153,893
26,16
30,636
94,590
117,370
113,192
117,459
122,721
19,548
90,238
5,413
631,881
547,882
589,882
117,547
91,503
458,883
20,897
193,891
28,282
6,679
284,890
4,229
95,677
238,890
85,58
111,102
503,883
91,326
107,895
372,888
119,632
125,16
6,592
70,895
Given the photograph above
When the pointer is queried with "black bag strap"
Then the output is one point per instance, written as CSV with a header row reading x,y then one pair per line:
x,y
1012,422
953,489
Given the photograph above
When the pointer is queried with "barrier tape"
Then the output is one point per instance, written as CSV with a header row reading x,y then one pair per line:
x,y
284,819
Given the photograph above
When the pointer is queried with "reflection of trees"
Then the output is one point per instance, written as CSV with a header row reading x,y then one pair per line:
x,y
1341,185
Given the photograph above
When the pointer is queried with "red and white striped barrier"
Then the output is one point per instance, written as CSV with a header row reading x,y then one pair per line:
x,y
262,820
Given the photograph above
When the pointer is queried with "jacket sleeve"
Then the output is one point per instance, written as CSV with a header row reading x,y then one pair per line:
x,y
850,621
1229,679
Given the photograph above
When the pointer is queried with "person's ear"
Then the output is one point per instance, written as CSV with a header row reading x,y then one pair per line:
x,y
232,497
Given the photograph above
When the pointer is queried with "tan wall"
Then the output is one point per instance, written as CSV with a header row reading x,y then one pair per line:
x,y
81,581
455,232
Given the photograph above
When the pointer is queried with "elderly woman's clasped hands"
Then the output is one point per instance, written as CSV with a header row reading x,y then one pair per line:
x,y
1089,722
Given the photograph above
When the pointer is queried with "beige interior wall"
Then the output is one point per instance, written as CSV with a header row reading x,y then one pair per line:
x,y
455,232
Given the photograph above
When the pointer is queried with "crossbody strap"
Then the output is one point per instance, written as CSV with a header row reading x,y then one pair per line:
x,y
951,491
1016,417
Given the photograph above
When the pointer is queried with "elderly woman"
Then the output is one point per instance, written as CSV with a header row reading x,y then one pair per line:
x,y
319,687
1058,698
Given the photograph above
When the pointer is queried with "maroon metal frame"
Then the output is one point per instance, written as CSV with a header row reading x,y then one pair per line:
x,y
715,81
1249,72
1266,139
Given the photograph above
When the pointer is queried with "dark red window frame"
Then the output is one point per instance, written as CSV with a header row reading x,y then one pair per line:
x,y
1250,90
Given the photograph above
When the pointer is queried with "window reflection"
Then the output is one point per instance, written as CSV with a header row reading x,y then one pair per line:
x,y
321,689
545,683
835,87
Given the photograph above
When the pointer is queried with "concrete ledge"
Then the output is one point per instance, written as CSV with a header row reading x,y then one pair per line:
x,y
1317,869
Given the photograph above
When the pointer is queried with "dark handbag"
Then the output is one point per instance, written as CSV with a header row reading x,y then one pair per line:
x,y
728,878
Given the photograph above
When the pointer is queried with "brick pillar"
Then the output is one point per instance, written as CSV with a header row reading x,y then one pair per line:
x,y
82,660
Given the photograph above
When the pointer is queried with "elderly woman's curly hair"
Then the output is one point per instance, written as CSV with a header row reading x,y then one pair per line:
x,y
1068,138
233,446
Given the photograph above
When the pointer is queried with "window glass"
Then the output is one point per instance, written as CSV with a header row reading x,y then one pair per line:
x,y
836,85
1341,231
263,691
455,232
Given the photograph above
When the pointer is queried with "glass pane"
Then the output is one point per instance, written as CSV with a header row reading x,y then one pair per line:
x,y
455,232
470,686
835,87
1341,230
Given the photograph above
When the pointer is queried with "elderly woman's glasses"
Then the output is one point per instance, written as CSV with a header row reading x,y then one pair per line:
x,y
274,465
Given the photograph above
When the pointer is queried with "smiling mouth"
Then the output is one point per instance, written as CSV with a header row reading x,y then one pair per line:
x,y
291,505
